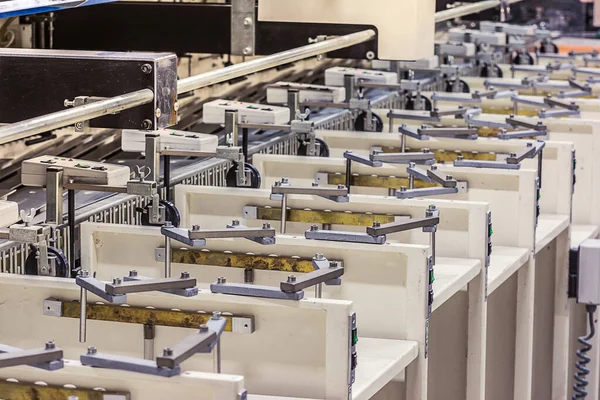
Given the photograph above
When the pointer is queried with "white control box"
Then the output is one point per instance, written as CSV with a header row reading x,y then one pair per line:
x,y
214,112
33,171
335,76
469,35
278,93
588,291
134,140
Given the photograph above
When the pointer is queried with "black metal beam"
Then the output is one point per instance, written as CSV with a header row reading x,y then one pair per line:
x,y
184,28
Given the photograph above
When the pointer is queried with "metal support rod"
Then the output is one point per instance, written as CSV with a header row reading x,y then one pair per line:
x,y
411,177
319,291
49,122
274,60
283,213
82,309
149,335
245,144
461,11
348,173
72,236
217,357
54,196
167,255
391,124
432,243
540,162
167,178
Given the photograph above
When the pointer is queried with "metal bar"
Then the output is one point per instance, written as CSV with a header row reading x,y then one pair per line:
x,y
148,286
167,177
309,190
54,196
72,235
402,226
268,127
232,233
323,217
95,188
26,357
461,11
274,60
183,350
73,115
311,279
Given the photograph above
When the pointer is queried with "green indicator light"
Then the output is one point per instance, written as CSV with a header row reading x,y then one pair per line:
x,y
354,336
490,231
431,277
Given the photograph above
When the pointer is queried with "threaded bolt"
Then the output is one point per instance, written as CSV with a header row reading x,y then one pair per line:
x,y
376,224
315,184
195,227
341,186
448,177
116,281
529,144
333,264
266,225
314,228
459,158
203,328
185,275
403,188
291,278
168,352
319,256
513,154
235,222
216,315
133,273
434,167
221,279
84,273
92,350
50,345
432,207
285,180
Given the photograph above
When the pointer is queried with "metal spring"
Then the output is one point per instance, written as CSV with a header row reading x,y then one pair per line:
x,y
581,365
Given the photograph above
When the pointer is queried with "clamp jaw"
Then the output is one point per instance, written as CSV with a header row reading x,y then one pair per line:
x,y
196,237
169,363
327,272
425,132
50,358
283,187
447,184
513,161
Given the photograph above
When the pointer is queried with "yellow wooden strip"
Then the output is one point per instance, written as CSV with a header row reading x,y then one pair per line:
x,y
246,261
374,181
324,217
142,316
30,391
442,156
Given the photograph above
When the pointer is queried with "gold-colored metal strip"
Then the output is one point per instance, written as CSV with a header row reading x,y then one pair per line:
x,y
143,316
31,391
246,261
442,156
374,181
324,217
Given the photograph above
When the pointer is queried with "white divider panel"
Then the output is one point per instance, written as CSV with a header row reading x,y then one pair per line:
x,y
200,385
460,232
394,275
476,83
296,349
585,136
556,176
509,193
9,213
590,108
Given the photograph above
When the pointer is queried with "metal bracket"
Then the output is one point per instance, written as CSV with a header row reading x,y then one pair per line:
x,y
124,363
243,27
327,272
283,188
538,126
196,237
83,126
352,156
469,133
184,292
425,158
50,358
461,162
504,135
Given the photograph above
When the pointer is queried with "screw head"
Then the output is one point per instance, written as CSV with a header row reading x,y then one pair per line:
x,y
460,158
133,273
513,154
235,222
529,144
116,281
412,164
79,125
432,207
247,51
195,227
341,186
176,106
221,279
84,273
158,113
146,124
285,180
266,225
315,184
185,275
167,352
248,21
168,224
50,345
203,328
291,278
376,224
434,167
146,68
448,177
333,264
319,256
403,188
216,315
314,228
92,350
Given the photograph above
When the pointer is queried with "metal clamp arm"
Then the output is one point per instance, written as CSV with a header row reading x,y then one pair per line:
x,y
442,178
402,226
196,237
504,135
530,151
352,156
118,287
538,126
98,288
405,130
284,188
469,133
49,358
184,292
404,158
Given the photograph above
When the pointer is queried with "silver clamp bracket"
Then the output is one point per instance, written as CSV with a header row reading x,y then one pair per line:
x,y
427,131
283,188
326,272
50,358
447,184
169,363
82,126
196,237
424,158
376,234
513,161
116,292
537,126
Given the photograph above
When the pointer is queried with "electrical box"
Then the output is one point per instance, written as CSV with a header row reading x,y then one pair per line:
x,y
405,28
589,272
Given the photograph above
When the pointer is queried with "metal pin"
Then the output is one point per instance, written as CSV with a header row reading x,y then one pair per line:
x,y
221,279
319,291
411,178
149,335
83,310
283,213
167,257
